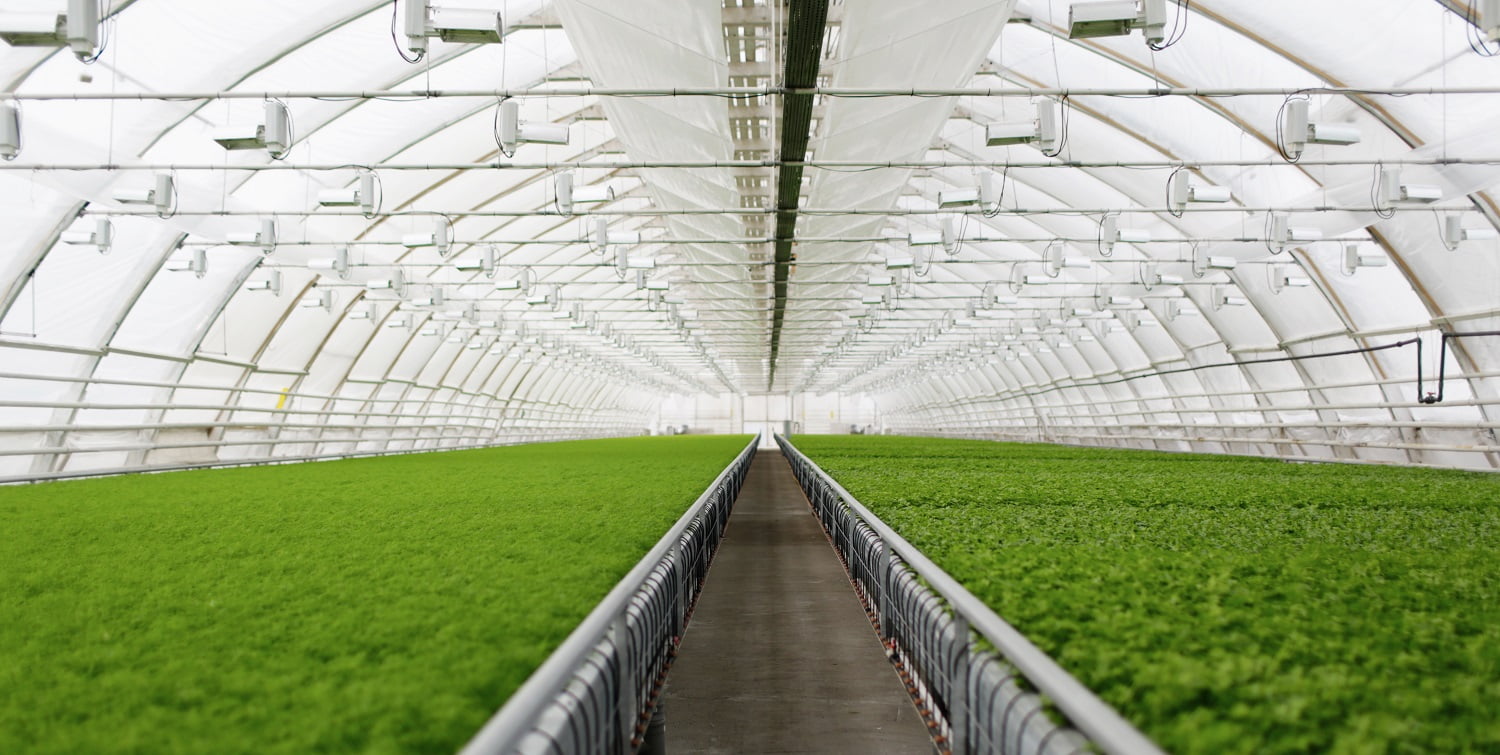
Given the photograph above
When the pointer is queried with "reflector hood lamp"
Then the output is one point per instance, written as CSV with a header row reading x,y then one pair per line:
x,y
424,21
1297,131
102,237
363,195
274,135
338,264
10,130
162,196
265,238
1117,18
77,28
513,132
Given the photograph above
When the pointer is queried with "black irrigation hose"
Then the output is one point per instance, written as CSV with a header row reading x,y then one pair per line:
x,y
1267,360
1433,398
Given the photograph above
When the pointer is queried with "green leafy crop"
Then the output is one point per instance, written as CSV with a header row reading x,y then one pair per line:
x,y
372,605
1223,604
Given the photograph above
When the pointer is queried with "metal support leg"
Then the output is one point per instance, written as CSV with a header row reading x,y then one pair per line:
x,y
625,701
958,706
656,733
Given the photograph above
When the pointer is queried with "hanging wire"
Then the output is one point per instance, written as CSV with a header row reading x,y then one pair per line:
x,y
495,128
1064,117
106,32
1384,214
1281,127
1474,31
1179,28
1176,213
396,39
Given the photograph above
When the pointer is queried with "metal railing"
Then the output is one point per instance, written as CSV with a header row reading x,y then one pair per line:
x,y
597,691
979,700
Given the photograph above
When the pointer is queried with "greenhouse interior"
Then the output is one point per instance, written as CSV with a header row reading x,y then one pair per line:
x,y
740,376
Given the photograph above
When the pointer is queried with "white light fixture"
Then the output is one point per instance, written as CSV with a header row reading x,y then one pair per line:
x,y
78,28
1454,233
1222,296
1054,261
441,237
1297,131
1288,276
102,237
924,238
338,264
395,284
272,283
985,194
881,280
459,25
196,263
658,286
274,135
361,196
163,196
1390,191
265,238
485,263
570,194
1110,233
1116,18
1283,232
523,282
436,298
368,312
322,299
1489,19
1176,308
515,132
1202,263
899,261
10,130
1355,259
601,236
1045,131
1183,190
406,321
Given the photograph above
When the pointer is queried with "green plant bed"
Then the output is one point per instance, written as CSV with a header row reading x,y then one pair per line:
x,y
373,605
1223,604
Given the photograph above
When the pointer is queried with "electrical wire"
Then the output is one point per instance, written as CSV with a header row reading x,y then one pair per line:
x,y
1474,32
1171,177
396,39
1385,213
1179,28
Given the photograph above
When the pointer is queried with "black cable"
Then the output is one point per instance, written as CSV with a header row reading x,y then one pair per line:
x,y
1268,360
1280,128
1475,34
1179,28
396,40
1385,214
1176,213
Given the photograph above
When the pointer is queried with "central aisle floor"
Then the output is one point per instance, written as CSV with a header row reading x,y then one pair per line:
x,y
779,657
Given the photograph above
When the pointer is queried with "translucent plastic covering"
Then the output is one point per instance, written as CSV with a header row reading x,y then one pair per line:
x,y
1002,232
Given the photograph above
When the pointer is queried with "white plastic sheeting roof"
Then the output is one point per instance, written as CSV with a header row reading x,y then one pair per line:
x,y
119,360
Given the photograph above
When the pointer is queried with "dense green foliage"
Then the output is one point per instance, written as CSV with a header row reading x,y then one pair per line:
x,y
1224,604
374,605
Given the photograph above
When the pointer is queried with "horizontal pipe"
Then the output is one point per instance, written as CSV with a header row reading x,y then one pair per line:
x,y
855,165
744,93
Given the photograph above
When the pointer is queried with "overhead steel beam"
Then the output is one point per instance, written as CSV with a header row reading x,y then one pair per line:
x,y
806,21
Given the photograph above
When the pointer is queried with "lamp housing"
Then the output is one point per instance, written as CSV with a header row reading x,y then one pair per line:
x,y
77,28
424,21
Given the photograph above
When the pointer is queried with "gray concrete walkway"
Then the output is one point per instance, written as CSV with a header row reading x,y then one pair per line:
x,y
779,657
